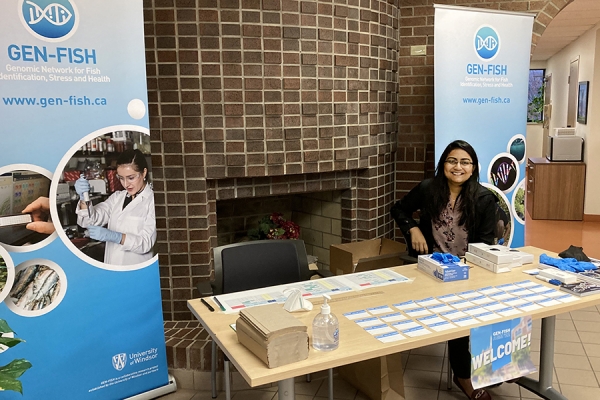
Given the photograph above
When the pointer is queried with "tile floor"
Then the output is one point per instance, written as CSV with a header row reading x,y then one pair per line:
x,y
577,346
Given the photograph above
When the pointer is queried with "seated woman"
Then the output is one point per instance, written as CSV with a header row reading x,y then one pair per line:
x,y
455,210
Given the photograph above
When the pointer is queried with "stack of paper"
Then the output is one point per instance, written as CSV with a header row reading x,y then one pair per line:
x,y
273,335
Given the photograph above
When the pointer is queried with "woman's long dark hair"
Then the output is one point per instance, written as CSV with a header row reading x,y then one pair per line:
x,y
468,194
135,158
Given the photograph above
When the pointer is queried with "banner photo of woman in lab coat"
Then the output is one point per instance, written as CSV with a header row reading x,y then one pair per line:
x,y
107,205
80,295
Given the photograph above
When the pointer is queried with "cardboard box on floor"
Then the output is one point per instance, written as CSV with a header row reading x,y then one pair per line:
x,y
365,255
380,378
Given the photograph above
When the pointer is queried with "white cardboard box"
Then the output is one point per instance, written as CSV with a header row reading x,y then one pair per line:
x,y
490,266
500,254
445,273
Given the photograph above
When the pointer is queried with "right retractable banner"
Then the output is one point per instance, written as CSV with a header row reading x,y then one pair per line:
x,y
481,83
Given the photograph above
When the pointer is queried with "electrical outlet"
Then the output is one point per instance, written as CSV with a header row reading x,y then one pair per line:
x,y
418,50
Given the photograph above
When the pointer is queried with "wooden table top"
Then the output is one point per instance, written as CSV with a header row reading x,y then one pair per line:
x,y
355,343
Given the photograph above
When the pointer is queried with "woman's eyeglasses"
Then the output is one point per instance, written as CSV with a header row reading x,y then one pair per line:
x,y
129,178
463,163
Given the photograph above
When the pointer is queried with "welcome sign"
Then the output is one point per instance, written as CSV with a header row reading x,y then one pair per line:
x,y
501,351
481,82
80,305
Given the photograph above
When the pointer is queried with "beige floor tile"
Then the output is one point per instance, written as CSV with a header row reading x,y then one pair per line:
x,y
592,350
576,377
298,397
595,362
526,394
438,350
341,390
563,316
589,337
565,336
181,394
411,393
590,316
586,326
590,308
580,392
238,382
311,388
422,379
425,363
206,395
506,389
572,362
572,348
454,394
254,395
184,378
565,325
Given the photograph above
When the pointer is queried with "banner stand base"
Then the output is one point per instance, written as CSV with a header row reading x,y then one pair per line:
x,y
154,393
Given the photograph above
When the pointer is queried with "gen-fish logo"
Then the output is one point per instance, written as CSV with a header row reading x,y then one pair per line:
x,y
487,43
49,20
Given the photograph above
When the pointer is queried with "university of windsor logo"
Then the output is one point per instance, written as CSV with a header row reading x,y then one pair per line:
x,y
487,43
49,19
119,361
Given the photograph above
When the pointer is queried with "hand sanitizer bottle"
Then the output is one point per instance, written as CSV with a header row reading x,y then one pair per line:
x,y
325,329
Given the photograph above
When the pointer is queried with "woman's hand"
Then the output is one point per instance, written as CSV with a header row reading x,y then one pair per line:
x,y
417,240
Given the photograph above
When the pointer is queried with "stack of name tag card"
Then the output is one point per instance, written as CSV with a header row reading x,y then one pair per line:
x,y
445,272
272,334
496,258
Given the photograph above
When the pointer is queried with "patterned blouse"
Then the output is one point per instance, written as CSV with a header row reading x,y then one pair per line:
x,y
448,236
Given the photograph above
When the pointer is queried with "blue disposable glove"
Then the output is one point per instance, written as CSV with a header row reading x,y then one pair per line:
x,y
445,258
104,235
81,186
567,264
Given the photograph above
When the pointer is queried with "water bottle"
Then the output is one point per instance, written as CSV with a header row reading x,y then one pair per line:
x,y
325,329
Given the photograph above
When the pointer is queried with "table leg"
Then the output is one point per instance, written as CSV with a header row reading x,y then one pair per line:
x,y
543,387
286,389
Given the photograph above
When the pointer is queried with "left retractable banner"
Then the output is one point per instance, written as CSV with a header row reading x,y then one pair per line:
x,y
80,311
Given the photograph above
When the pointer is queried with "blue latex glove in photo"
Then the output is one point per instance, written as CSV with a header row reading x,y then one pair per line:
x,y
81,186
104,235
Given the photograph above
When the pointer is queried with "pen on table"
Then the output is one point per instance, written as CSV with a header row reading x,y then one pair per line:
x,y
207,305
550,281
219,304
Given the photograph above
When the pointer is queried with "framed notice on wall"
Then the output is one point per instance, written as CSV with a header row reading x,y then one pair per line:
x,y
582,102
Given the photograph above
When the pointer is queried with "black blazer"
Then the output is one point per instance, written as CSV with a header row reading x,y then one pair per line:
x,y
417,198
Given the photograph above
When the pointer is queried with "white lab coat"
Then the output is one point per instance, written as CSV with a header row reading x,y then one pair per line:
x,y
137,221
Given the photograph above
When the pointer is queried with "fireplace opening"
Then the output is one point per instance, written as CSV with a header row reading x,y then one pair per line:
x,y
318,214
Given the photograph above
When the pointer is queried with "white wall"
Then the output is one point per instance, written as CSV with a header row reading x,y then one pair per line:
x,y
584,49
534,138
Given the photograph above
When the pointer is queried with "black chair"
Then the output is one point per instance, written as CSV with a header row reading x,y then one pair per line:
x,y
254,265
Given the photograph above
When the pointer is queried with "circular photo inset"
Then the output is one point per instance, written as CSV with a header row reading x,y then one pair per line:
x,y
504,231
503,172
518,203
25,223
39,287
105,200
516,147
7,273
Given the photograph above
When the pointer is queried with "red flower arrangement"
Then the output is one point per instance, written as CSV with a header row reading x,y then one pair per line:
x,y
274,226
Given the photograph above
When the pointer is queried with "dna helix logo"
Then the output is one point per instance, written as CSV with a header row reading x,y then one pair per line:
x,y
49,19
487,43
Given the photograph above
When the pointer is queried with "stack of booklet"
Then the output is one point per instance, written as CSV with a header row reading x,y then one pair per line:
x,y
272,334
496,258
